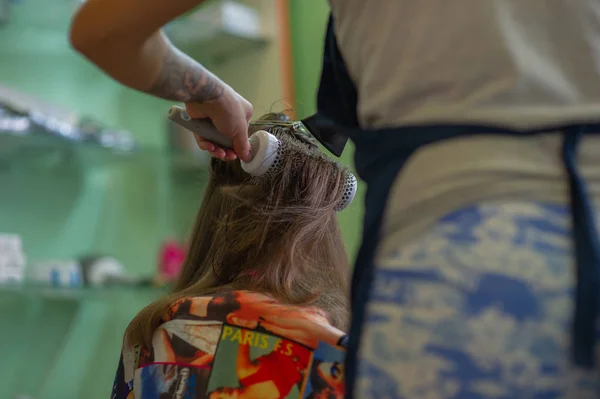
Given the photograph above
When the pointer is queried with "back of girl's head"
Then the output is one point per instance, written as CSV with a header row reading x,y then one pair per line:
x,y
276,234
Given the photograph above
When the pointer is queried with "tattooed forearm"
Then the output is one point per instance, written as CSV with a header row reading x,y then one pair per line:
x,y
183,79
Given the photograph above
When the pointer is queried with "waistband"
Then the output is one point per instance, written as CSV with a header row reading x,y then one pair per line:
x,y
376,149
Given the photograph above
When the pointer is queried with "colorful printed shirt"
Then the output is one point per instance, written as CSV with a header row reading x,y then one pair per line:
x,y
239,345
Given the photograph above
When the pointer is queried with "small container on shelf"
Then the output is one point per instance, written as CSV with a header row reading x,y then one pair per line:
x,y
12,259
171,258
57,273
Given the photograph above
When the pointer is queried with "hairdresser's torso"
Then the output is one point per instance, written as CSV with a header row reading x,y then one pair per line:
x,y
507,63
432,70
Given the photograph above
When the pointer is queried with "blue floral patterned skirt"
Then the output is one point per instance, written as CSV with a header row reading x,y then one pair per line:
x,y
479,306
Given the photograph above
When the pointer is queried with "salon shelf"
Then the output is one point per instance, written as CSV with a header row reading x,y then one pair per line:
x,y
216,44
75,294
45,150
77,326
34,146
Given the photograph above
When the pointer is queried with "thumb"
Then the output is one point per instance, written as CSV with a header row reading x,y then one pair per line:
x,y
241,145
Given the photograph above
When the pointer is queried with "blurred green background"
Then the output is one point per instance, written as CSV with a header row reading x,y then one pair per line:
x,y
61,346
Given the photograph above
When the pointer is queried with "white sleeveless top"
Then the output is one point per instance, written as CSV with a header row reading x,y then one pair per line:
x,y
514,63
510,63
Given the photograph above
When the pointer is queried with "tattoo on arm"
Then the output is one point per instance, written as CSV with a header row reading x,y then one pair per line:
x,y
183,79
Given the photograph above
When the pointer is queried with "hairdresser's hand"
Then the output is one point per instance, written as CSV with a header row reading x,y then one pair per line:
x,y
230,114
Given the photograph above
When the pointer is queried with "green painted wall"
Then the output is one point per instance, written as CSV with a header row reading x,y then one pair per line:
x,y
308,23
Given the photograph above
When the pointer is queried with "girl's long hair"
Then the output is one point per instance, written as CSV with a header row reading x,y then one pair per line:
x,y
276,234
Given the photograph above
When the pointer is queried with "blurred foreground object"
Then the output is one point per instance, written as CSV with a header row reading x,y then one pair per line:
x,y
171,258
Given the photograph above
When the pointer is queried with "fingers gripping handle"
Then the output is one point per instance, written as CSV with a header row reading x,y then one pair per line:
x,y
202,127
264,145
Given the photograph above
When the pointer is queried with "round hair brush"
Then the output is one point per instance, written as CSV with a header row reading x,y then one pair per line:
x,y
267,150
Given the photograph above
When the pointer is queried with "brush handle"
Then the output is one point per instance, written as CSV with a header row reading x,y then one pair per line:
x,y
265,146
202,127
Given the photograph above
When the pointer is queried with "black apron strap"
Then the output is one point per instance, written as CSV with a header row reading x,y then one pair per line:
x,y
337,97
587,256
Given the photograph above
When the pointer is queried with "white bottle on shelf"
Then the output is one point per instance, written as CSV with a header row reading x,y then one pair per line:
x,y
12,259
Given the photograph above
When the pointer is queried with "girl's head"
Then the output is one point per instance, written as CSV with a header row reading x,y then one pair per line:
x,y
276,234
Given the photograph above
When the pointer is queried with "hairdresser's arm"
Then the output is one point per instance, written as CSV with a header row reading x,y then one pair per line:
x,y
123,38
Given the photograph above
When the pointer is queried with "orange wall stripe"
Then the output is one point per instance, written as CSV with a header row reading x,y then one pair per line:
x,y
285,54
